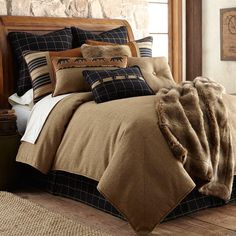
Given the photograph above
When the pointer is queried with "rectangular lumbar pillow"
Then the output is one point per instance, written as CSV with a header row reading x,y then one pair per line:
x,y
139,48
41,72
116,84
155,70
105,50
118,35
68,72
22,41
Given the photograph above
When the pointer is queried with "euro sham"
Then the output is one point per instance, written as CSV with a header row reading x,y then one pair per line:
x,y
118,35
22,41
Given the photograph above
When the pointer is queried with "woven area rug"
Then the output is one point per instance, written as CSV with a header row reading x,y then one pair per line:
x,y
20,217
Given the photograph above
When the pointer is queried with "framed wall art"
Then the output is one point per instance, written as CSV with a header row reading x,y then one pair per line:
x,y
228,34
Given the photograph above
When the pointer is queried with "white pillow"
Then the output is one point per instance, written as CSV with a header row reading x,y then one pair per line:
x,y
26,99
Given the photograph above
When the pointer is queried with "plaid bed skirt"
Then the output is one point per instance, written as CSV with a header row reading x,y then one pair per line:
x,y
83,189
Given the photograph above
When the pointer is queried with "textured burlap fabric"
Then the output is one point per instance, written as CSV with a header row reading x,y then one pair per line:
x,y
120,145
20,217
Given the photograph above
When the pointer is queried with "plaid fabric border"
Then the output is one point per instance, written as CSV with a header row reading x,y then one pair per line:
x,y
118,35
196,201
75,187
85,190
22,41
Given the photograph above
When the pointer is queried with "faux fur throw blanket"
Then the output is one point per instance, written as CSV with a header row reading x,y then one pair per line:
x,y
194,121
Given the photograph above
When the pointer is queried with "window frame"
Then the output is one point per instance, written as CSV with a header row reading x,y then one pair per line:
x,y
175,39
193,39
158,32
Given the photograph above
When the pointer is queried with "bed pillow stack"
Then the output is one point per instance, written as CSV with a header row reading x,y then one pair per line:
x,y
50,65
40,75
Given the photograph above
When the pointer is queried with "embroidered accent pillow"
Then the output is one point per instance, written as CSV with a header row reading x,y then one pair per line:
x,y
116,84
155,70
118,35
68,72
139,48
105,51
40,68
21,41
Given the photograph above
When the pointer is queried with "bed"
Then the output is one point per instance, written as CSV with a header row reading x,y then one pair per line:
x,y
81,187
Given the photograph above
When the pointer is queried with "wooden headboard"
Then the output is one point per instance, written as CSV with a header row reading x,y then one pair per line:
x,y
41,25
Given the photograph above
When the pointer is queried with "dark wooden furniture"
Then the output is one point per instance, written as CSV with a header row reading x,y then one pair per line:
x,y
41,25
175,39
9,144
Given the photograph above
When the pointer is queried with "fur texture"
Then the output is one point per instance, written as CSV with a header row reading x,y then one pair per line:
x,y
105,51
194,121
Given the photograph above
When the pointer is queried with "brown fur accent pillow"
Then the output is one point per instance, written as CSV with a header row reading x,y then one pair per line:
x,y
138,48
133,48
105,50
68,71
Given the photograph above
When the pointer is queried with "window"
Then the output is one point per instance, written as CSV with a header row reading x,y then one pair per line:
x,y
158,26
165,25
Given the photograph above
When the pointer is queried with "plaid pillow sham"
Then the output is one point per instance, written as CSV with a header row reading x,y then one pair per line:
x,y
21,41
117,35
109,85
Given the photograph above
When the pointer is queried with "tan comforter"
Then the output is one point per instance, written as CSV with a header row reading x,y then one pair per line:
x,y
119,144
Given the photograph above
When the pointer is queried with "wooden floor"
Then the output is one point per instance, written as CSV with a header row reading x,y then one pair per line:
x,y
216,221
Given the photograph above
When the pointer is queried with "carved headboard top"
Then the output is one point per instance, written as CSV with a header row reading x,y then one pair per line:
x,y
41,25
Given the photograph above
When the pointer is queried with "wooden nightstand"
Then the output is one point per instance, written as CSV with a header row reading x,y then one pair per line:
x,y
9,144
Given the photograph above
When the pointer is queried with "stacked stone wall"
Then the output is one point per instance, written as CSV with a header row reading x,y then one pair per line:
x,y
135,11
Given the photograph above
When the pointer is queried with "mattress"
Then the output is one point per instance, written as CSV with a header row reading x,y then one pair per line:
x,y
83,189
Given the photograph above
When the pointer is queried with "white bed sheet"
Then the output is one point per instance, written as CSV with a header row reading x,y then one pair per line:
x,y
27,99
38,116
22,114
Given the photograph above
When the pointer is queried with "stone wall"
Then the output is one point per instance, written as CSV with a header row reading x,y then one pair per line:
x,y
135,11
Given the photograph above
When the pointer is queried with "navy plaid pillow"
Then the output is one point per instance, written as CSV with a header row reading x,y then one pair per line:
x,y
21,41
115,84
118,35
